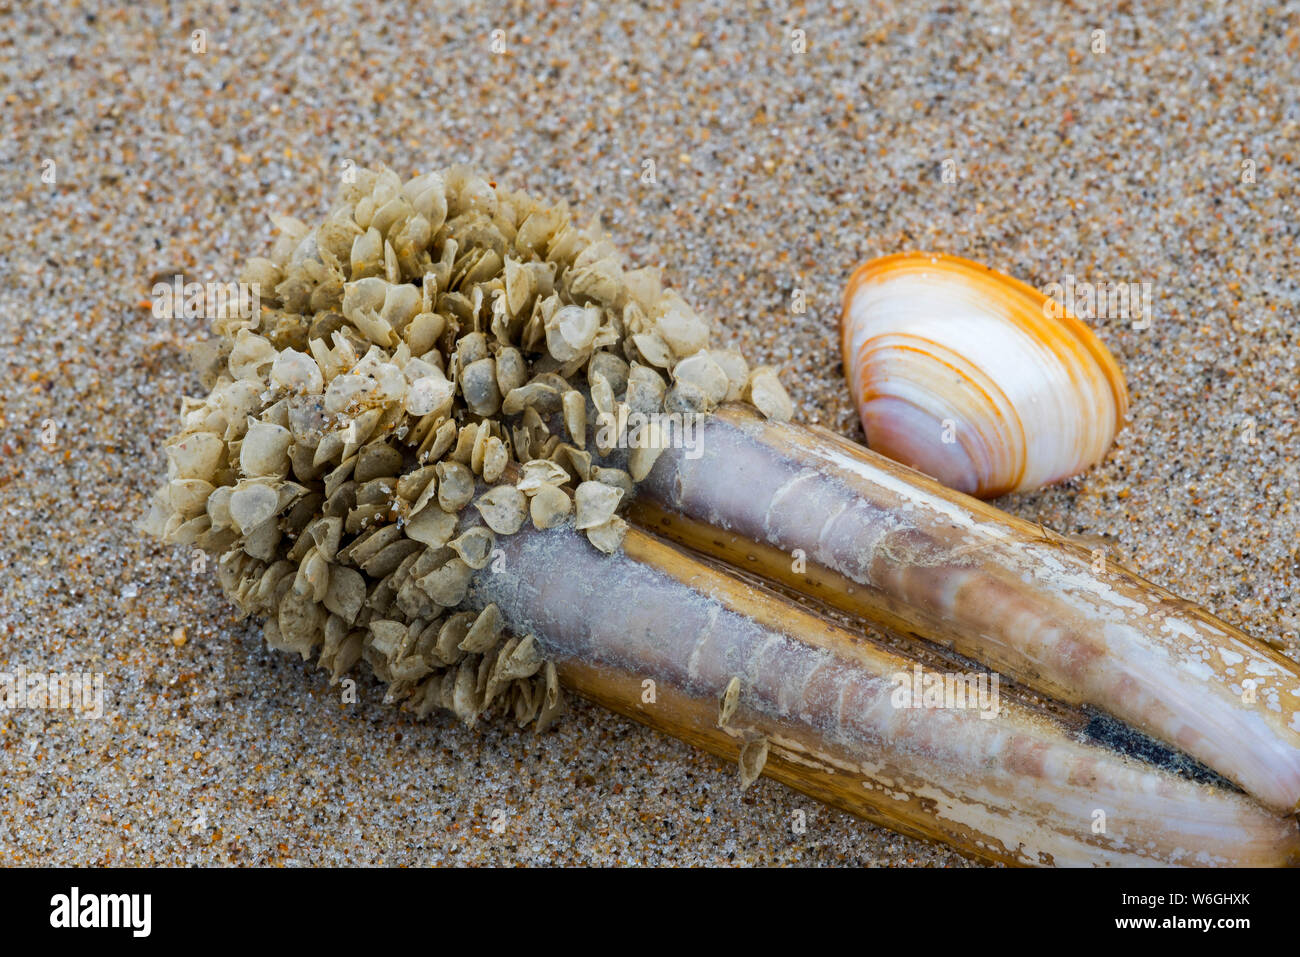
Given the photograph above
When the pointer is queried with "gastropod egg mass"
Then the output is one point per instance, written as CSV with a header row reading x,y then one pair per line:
x,y
413,383
974,377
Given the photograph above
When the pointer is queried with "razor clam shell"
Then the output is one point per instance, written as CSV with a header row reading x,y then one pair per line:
x,y
930,562
1019,789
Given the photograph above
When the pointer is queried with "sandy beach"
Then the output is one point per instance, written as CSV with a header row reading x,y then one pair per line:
x,y
757,153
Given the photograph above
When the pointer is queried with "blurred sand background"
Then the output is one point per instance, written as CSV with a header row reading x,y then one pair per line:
x,y
776,171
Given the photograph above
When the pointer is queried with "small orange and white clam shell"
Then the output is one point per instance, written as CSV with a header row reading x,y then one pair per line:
x,y
976,378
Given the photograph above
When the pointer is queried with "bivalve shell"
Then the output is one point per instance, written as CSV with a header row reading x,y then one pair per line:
x,y
975,378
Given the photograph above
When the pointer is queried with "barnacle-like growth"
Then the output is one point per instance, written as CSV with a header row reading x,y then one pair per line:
x,y
438,363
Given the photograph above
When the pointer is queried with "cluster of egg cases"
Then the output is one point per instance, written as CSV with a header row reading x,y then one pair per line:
x,y
427,369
